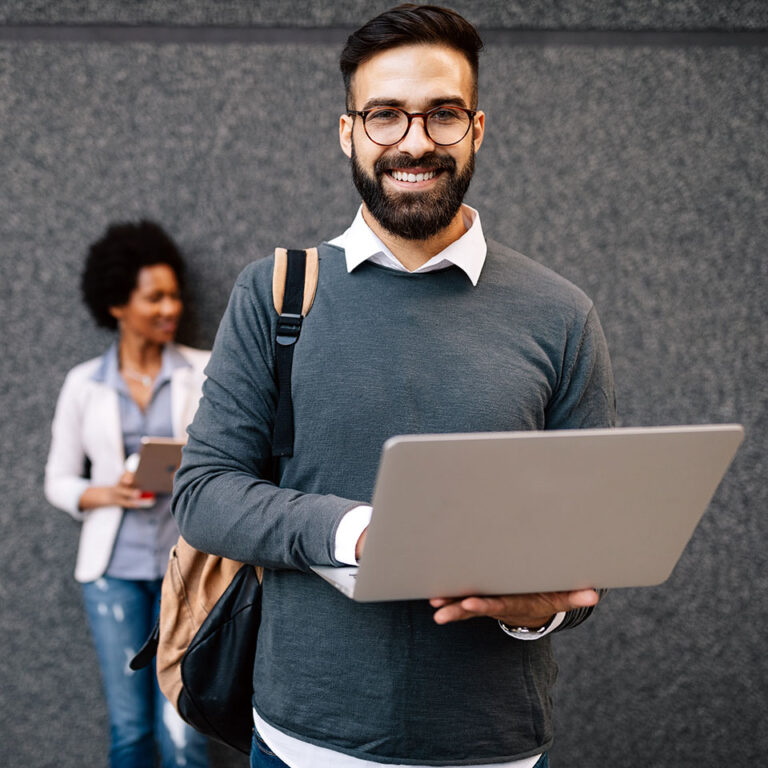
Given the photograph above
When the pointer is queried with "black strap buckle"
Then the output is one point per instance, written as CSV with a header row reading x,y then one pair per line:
x,y
288,328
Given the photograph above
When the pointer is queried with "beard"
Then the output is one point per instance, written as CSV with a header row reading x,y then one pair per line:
x,y
414,215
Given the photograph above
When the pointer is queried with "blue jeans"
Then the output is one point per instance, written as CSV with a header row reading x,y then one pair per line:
x,y
121,614
263,757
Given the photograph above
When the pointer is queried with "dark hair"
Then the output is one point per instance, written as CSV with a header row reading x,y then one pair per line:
x,y
114,261
410,24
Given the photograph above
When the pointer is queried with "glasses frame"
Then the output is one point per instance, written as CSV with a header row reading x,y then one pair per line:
x,y
410,115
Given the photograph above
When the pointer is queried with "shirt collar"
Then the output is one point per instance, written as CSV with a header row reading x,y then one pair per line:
x,y
360,243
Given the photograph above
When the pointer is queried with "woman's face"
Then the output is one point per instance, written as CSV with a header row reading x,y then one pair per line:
x,y
154,307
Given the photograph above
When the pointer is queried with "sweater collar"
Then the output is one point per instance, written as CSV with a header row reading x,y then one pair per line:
x,y
360,244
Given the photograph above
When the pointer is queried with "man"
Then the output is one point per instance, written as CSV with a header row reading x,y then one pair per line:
x,y
418,325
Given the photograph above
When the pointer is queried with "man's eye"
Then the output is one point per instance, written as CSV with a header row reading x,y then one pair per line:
x,y
446,115
384,115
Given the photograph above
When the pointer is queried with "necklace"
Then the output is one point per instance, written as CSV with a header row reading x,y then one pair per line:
x,y
143,378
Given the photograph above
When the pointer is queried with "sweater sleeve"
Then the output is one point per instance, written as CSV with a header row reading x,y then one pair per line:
x,y
225,500
584,399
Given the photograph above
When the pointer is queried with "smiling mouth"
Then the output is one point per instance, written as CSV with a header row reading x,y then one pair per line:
x,y
408,176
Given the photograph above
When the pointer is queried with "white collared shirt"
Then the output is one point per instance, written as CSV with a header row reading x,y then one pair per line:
x,y
360,244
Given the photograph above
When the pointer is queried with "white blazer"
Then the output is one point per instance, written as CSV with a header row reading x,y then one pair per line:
x,y
87,424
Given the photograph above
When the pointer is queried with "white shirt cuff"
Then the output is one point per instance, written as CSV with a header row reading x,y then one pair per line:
x,y
349,531
553,625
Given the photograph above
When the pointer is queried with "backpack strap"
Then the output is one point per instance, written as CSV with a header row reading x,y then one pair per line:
x,y
148,651
294,282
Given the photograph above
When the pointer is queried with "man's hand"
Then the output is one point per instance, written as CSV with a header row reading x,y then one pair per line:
x,y
360,545
532,611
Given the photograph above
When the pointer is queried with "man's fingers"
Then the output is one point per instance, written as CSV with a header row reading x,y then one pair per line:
x,y
453,611
583,598
485,606
523,609
466,608
439,602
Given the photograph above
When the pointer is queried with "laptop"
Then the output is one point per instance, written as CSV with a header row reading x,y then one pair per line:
x,y
518,512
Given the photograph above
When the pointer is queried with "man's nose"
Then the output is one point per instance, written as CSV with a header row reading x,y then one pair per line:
x,y
416,142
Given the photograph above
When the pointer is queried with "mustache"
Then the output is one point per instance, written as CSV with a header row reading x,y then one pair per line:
x,y
431,162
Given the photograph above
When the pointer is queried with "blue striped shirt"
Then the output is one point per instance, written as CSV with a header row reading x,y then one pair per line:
x,y
146,535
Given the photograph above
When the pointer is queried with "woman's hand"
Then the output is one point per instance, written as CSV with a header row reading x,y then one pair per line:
x,y
121,495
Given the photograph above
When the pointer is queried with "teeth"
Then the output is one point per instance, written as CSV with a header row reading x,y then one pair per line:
x,y
412,177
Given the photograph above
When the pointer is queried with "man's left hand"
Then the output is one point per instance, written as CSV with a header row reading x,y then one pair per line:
x,y
532,610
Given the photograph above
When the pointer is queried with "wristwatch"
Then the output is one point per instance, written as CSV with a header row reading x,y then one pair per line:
x,y
526,630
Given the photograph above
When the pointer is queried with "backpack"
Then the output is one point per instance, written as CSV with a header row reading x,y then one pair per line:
x,y
210,606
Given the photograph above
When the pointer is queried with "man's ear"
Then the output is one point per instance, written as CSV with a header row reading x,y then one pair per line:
x,y
346,124
117,312
478,129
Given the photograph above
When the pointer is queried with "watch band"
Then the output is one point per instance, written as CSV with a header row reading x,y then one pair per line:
x,y
526,630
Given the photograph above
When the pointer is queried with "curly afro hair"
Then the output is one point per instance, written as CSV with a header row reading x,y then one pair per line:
x,y
114,261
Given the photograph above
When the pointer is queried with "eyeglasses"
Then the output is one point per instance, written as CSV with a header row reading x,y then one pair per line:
x,y
444,126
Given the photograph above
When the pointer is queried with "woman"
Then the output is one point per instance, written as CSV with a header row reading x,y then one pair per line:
x,y
144,384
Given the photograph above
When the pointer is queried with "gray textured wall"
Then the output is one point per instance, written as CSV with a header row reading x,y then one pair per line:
x,y
638,172
574,14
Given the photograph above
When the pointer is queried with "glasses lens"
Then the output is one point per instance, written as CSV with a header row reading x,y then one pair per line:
x,y
386,126
447,125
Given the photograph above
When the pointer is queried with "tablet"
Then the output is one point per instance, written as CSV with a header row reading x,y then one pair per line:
x,y
516,512
159,458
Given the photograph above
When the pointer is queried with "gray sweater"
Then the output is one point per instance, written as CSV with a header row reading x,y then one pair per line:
x,y
383,353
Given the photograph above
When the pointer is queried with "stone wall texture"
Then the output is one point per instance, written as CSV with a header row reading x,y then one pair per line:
x,y
637,172
557,14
